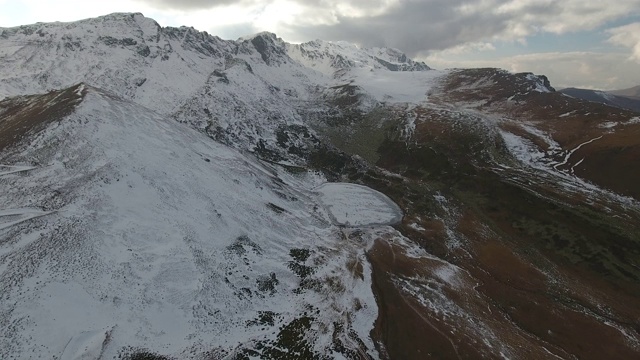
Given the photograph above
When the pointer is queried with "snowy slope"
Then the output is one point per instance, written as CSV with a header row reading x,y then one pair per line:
x,y
144,233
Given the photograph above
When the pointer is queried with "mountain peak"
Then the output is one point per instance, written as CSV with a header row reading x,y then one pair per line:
x,y
262,34
329,57
116,16
120,15
271,48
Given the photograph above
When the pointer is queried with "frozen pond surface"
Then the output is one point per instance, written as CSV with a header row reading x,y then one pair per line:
x,y
357,205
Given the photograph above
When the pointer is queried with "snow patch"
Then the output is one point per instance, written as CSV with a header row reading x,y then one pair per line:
x,y
522,149
410,123
417,227
80,89
568,156
88,345
395,86
633,120
539,86
449,274
608,125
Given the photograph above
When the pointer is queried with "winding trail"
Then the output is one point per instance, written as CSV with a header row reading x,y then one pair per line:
x,y
568,156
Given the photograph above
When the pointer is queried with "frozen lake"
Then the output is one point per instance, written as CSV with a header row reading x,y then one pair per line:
x,y
357,205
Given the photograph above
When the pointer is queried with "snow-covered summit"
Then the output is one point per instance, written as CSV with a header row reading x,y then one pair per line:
x,y
159,67
272,49
329,57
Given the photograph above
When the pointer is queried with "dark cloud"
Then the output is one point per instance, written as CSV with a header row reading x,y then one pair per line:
x,y
412,26
419,26
197,4
423,26
209,4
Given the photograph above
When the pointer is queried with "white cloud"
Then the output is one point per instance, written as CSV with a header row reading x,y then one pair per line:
x,y
627,36
417,26
467,48
24,12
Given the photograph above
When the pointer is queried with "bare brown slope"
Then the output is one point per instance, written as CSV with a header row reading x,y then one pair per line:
x,y
549,264
545,270
23,115
607,161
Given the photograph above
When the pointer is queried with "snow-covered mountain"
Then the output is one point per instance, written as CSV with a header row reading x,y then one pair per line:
x,y
337,57
188,74
127,54
166,240
133,56
165,193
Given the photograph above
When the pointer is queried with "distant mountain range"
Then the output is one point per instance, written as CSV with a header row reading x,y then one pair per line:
x,y
624,99
633,92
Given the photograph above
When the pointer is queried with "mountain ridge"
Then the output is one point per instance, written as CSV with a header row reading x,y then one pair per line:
x,y
146,30
605,97
633,92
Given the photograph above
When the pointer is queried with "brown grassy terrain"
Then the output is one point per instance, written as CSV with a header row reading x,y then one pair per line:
x,y
547,270
524,273
569,121
20,116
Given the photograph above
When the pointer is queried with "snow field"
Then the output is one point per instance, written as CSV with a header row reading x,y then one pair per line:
x,y
357,205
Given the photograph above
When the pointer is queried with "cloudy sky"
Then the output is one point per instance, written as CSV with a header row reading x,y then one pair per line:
x,y
581,43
